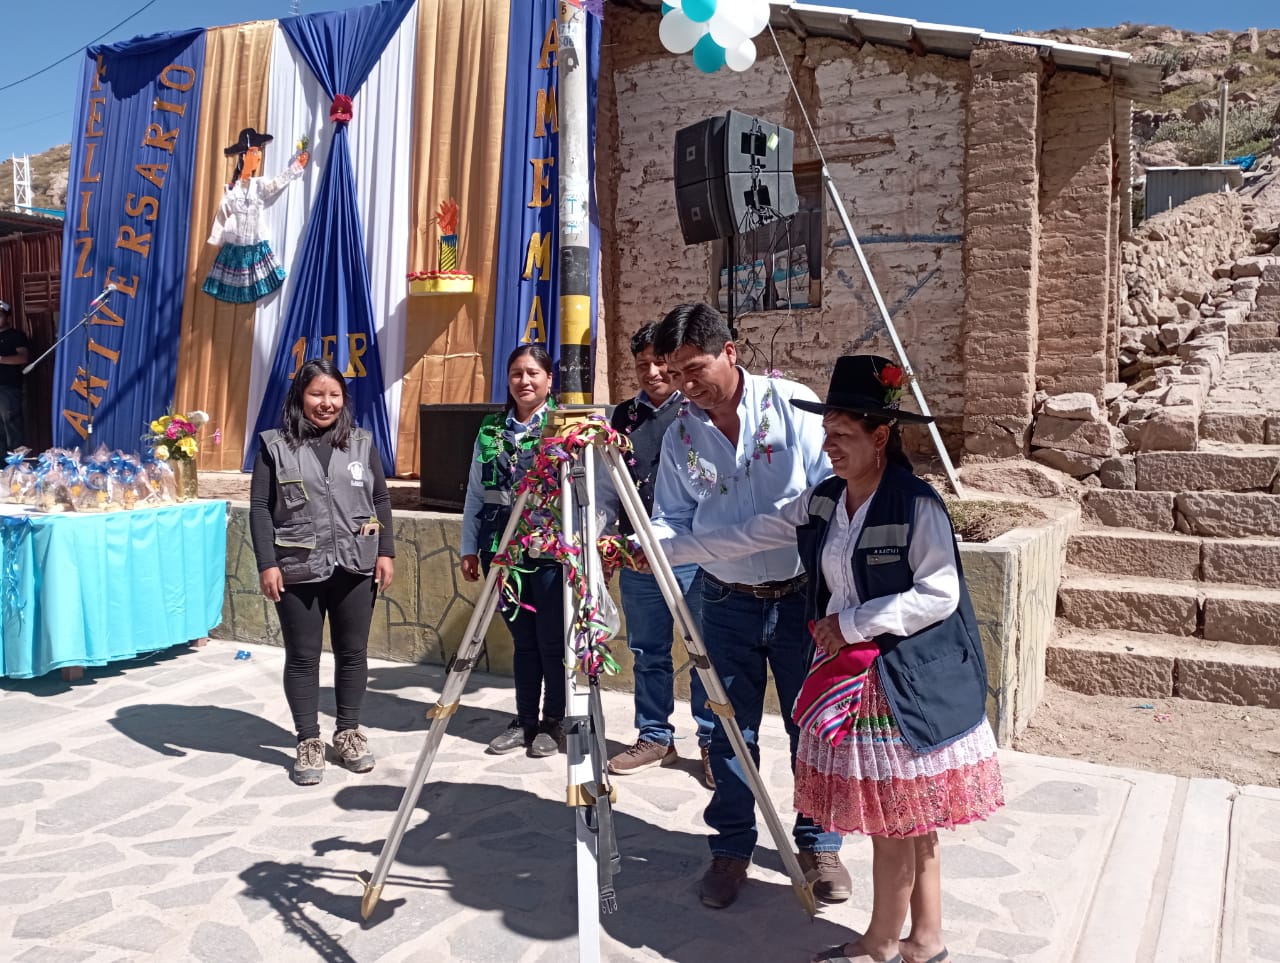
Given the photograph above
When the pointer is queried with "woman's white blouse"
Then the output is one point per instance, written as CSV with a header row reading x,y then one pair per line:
x,y
931,555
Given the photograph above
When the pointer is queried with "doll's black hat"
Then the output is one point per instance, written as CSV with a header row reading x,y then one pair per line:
x,y
866,384
248,138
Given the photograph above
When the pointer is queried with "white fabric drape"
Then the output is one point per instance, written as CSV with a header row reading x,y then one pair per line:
x,y
381,156
297,108
380,141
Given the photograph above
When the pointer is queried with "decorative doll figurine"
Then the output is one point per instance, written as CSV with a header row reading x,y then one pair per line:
x,y
246,269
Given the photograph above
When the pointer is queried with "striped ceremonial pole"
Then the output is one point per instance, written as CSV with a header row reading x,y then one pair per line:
x,y
575,207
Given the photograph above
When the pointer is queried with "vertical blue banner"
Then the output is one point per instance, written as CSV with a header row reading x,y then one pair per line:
x,y
526,290
128,217
330,312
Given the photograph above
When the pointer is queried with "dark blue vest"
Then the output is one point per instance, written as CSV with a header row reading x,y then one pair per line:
x,y
936,680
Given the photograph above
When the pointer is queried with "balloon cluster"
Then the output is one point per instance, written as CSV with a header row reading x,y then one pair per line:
x,y
719,32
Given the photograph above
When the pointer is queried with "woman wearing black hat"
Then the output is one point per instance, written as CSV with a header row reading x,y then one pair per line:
x,y
246,269
894,739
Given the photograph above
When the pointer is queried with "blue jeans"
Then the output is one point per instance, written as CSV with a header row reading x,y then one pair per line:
x,y
649,636
746,637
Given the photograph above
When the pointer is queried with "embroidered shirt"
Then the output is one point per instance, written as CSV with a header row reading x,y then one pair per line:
x,y
709,481
475,486
644,424
931,555
240,211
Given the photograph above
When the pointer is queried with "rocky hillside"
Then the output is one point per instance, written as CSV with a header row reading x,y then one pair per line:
x,y
48,179
1184,127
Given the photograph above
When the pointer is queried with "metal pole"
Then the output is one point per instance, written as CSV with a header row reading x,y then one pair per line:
x,y
450,698
574,186
893,333
1222,124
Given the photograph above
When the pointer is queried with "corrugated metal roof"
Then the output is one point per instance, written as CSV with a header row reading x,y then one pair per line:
x,y
1137,80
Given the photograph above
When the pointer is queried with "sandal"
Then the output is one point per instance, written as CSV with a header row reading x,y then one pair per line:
x,y
836,954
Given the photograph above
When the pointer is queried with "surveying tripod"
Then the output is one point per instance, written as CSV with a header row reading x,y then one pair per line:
x,y
582,438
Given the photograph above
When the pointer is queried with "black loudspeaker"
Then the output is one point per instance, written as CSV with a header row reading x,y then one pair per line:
x,y
732,174
446,438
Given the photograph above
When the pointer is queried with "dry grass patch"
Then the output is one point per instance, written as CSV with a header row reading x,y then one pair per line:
x,y
978,520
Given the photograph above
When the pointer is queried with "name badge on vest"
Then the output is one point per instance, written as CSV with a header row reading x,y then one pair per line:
x,y
884,556
357,474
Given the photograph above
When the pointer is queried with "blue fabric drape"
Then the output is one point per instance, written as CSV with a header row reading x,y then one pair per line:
x,y
132,169
520,300
331,297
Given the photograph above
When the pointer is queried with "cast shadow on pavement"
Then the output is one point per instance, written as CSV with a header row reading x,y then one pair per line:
x,y
174,730
486,850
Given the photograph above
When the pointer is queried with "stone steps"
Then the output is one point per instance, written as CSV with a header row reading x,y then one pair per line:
x,y
1244,614
1173,557
1255,345
1241,426
1216,514
1235,468
1153,666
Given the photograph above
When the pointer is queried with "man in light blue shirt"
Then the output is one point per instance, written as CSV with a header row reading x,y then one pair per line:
x,y
736,448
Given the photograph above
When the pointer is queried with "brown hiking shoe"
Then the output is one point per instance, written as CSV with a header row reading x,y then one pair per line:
x,y
643,755
831,882
308,767
722,880
352,749
707,776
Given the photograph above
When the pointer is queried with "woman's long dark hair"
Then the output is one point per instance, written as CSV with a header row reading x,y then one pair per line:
x,y
295,427
540,357
894,454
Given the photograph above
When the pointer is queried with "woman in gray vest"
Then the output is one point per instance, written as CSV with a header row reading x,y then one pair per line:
x,y
505,448
320,519
894,740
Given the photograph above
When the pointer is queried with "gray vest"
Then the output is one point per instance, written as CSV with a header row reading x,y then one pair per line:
x,y
316,516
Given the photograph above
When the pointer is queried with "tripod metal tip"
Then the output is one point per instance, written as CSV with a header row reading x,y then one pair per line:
x,y
804,893
371,896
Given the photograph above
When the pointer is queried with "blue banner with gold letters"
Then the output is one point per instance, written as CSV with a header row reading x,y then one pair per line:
x,y
127,224
526,292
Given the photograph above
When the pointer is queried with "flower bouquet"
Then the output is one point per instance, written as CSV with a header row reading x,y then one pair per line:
x,y
173,440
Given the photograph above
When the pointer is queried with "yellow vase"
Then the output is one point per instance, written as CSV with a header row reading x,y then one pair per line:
x,y
188,482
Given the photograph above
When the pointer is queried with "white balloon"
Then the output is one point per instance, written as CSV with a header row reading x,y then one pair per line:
x,y
678,33
757,15
741,57
731,25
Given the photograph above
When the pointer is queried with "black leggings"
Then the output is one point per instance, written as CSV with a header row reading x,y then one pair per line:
x,y
348,601
537,661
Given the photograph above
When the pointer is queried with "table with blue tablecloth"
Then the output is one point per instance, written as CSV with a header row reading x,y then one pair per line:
x,y
80,589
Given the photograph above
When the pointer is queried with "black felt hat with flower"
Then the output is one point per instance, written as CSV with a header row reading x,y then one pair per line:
x,y
866,384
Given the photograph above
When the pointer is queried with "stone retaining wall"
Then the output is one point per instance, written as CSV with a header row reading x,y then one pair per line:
x,y
423,616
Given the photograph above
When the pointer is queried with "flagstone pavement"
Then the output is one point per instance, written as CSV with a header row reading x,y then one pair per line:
x,y
146,814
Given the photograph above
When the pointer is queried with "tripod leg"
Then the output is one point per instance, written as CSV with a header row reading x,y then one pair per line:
x,y
455,684
717,698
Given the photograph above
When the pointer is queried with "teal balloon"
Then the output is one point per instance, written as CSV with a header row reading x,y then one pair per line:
x,y
699,11
708,56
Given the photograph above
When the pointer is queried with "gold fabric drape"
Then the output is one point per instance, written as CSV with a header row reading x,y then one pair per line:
x,y
215,355
458,110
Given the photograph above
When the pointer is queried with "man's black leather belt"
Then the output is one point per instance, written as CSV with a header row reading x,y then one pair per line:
x,y
762,590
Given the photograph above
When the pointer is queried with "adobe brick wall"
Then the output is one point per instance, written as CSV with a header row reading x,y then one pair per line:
x,y
1076,199
1001,250
892,126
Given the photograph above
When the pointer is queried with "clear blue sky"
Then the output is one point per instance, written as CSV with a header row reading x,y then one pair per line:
x,y
37,113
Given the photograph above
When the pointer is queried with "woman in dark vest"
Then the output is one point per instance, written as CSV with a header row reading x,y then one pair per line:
x,y
320,519
894,739
505,449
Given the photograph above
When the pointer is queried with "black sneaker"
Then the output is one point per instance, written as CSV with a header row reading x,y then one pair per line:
x,y
513,737
308,767
548,740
